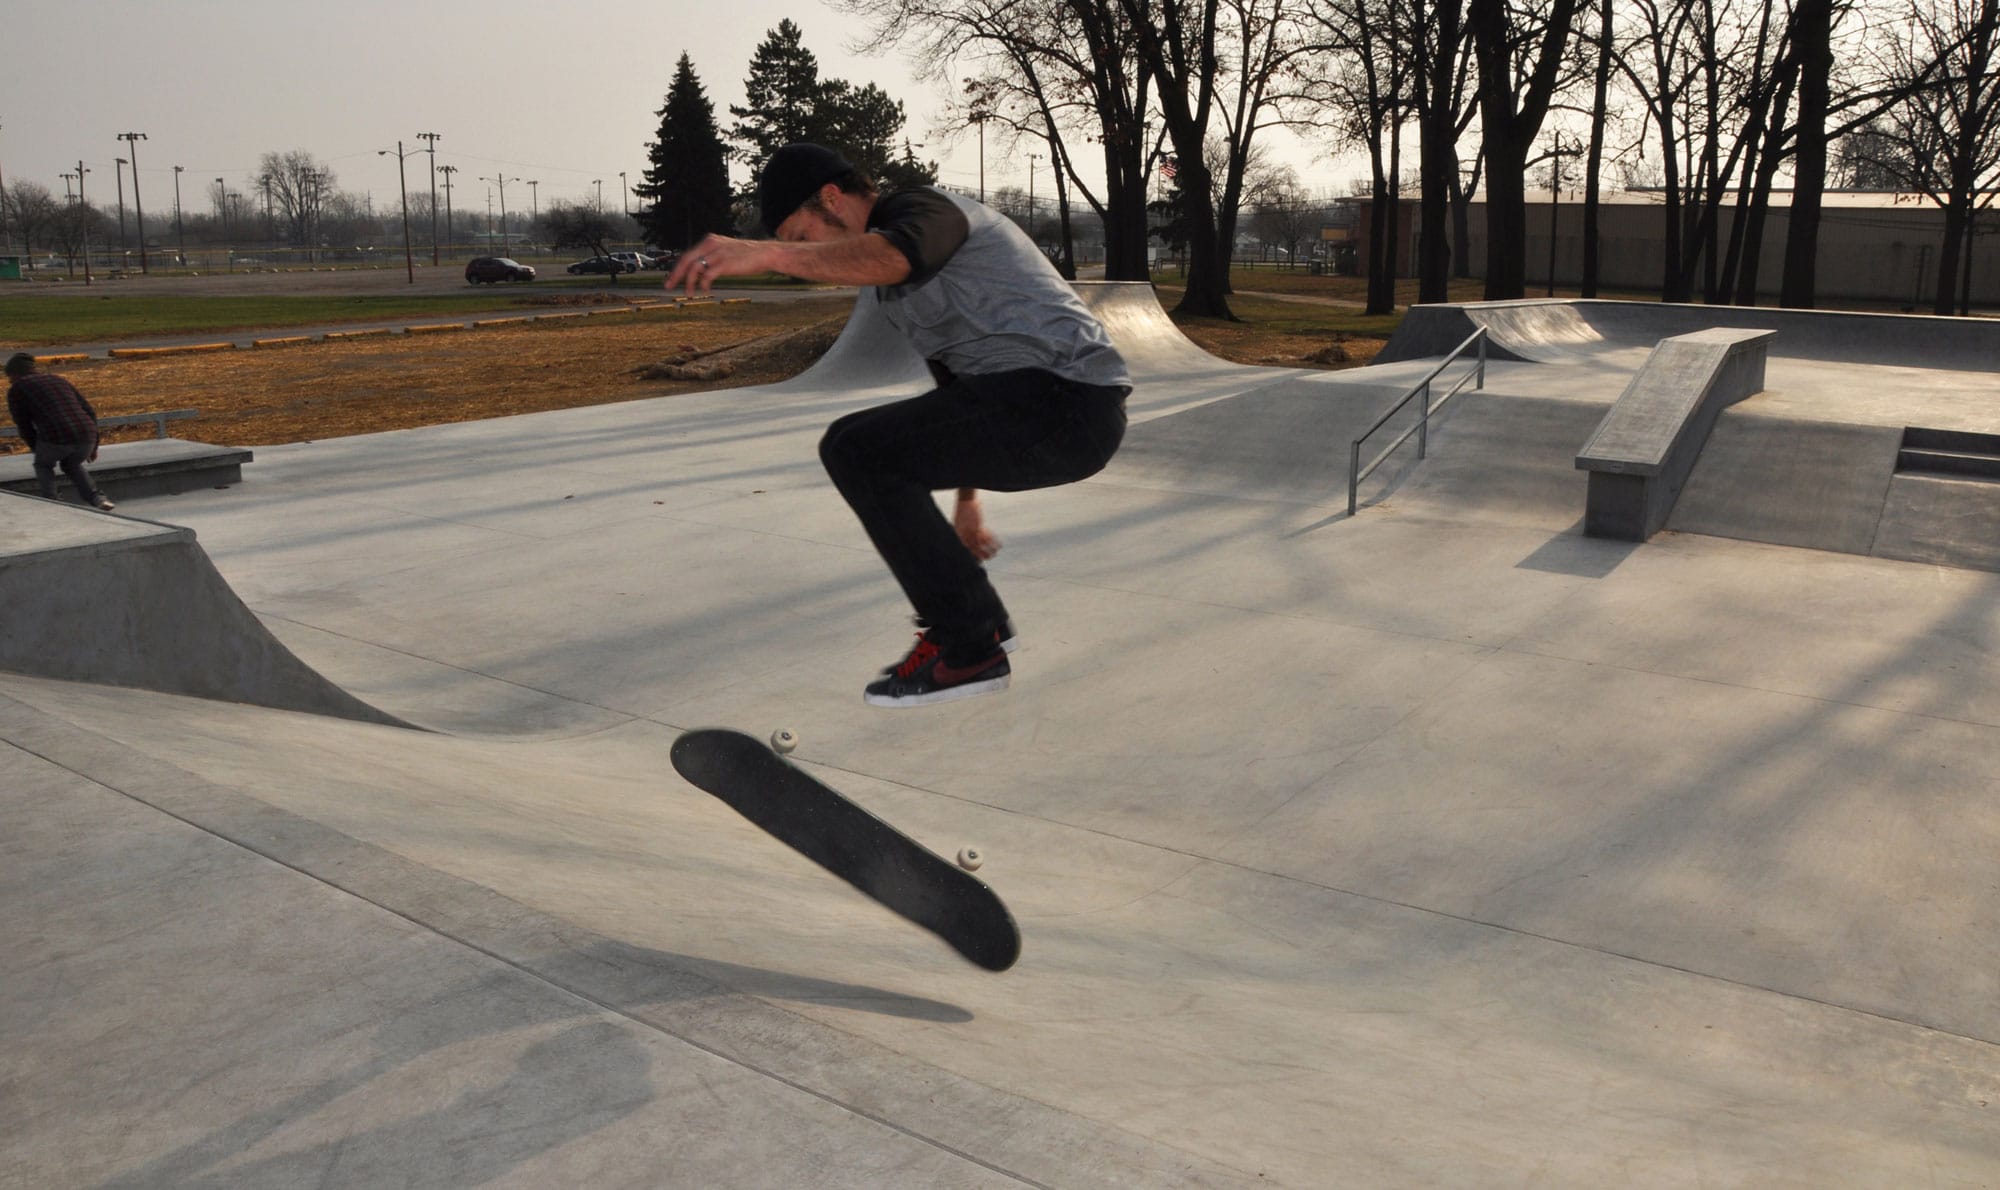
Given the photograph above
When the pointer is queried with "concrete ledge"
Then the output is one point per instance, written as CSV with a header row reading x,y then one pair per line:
x,y
179,349
1641,453
154,467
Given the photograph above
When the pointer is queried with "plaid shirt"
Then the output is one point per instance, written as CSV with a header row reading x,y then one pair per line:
x,y
48,406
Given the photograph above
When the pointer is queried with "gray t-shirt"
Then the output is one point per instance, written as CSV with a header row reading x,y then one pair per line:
x,y
981,298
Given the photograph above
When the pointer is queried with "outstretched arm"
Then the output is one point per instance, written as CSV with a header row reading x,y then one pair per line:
x,y
858,260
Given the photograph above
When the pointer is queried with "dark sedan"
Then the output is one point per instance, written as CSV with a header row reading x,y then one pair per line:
x,y
487,269
602,264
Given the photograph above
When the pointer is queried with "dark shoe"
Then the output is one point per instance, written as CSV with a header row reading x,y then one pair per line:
x,y
923,678
1005,637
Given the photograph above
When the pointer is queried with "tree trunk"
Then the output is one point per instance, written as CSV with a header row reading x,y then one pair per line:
x,y
1595,162
1205,295
1813,21
1955,213
1437,154
1461,224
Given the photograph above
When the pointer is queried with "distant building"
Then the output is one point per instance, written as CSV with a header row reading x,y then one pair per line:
x,y
1873,247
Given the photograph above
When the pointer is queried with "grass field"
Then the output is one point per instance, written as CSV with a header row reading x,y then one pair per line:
x,y
85,317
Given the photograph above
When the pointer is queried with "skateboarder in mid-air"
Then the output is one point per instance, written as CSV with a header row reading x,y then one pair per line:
x,y
1030,393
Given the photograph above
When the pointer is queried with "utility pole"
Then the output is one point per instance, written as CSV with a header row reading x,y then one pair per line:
x,y
501,181
180,228
447,171
403,185
534,204
433,138
25,250
599,183
222,211
270,223
133,139
981,118
124,242
624,194
83,213
1032,158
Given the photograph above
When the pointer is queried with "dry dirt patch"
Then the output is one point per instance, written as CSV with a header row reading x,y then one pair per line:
x,y
363,386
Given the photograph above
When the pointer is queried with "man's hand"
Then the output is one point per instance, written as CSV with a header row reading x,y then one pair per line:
x,y
717,256
970,522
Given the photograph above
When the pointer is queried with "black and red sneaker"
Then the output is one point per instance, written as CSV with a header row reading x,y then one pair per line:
x,y
925,677
1004,636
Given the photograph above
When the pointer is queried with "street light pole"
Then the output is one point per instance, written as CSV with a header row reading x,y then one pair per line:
x,y
447,171
981,118
1032,158
83,220
180,228
222,210
534,204
624,194
599,183
501,182
133,139
123,242
433,138
403,186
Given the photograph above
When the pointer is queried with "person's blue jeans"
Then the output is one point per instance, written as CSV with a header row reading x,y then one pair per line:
x,y
70,456
1004,432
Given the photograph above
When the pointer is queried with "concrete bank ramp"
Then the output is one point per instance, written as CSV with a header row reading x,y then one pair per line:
x,y
1563,330
872,357
123,602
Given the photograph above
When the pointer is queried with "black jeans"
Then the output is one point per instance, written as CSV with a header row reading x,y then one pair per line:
x,y
1004,432
70,456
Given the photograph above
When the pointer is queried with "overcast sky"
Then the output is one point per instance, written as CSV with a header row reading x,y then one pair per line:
x,y
560,93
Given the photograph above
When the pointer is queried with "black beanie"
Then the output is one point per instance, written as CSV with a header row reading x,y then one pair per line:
x,y
792,175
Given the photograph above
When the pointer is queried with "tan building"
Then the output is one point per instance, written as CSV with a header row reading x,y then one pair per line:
x,y
1875,248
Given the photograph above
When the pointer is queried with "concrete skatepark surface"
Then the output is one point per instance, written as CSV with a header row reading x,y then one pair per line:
x,y
1440,845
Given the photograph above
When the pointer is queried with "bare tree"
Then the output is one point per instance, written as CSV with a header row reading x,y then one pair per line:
x,y
31,212
1059,71
1943,140
1445,102
1177,41
1521,47
302,188
74,227
1364,92
1262,43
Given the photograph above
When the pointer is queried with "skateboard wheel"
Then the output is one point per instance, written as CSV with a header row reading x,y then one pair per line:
x,y
783,741
969,858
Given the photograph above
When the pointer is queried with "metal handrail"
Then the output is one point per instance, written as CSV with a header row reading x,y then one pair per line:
x,y
1356,472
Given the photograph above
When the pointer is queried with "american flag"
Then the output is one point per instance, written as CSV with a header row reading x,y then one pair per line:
x,y
1170,167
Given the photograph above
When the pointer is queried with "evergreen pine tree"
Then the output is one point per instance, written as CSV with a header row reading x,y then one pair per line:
x,y
687,180
786,101
781,99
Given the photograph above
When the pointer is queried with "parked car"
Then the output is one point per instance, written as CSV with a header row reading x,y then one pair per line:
x,y
638,260
603,264
488,269
664,259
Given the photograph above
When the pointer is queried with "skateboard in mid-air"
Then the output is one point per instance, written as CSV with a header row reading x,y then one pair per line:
x,y
848,841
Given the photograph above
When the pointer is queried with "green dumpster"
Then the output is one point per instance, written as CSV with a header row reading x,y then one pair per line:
x,y
10,268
